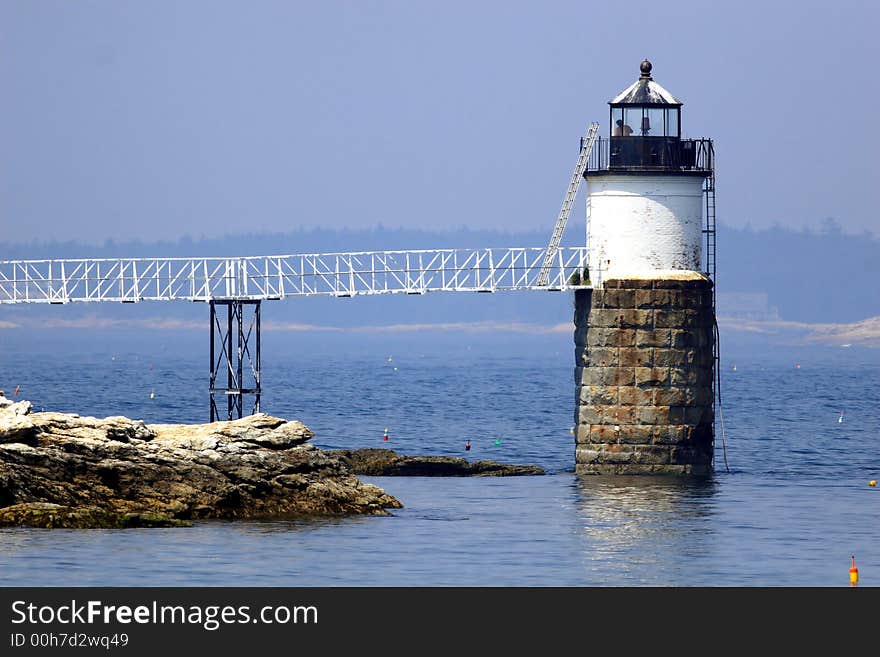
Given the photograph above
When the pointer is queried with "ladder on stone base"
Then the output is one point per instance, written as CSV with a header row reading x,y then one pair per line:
x,y
709,230
579,168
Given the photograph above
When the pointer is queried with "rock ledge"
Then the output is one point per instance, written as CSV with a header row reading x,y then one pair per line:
x,y
63,470
379,462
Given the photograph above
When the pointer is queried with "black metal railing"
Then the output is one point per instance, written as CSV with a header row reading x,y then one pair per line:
x,y
653,154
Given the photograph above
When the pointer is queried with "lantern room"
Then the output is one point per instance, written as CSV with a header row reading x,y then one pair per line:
x,y
645,128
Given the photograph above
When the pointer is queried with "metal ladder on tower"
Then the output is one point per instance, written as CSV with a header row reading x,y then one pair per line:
x,y
711,259
709,230
579,168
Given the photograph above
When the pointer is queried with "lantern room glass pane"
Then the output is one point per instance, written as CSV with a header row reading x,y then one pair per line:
x,y
616,115
632,117
652,122
672,122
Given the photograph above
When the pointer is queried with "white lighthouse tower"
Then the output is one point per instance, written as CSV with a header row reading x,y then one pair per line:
x,y
645,330
645,195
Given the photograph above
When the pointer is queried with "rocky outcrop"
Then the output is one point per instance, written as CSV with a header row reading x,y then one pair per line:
x,y
63,470
378,462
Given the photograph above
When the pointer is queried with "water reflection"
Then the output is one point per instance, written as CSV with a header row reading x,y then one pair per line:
x,y
646,529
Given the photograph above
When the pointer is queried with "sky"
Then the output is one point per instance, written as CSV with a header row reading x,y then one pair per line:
x,y
159,119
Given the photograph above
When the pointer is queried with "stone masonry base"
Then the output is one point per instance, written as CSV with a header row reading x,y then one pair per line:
x,y
643,376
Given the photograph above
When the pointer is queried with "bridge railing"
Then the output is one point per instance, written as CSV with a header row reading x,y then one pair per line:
x,y
130,280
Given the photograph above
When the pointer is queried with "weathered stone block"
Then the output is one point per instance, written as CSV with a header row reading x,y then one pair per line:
x,y
652,455
644,299
652,414
616,454
635,396
647,377
582,435
598,395
605,317
665,396
603,357
617,415
611,337
678,319
612,376
605,434
636,357
688,358
653,338
643,318
624,376
671,434
689,415
635,434
596,337
696,299
621,318
682,339
668,357
590,414
585,454
682,377
617,298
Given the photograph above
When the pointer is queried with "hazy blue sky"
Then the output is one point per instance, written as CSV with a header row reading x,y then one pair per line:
x,y
157,119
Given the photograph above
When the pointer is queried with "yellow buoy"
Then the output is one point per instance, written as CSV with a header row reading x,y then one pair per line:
x,y
872,483
853,573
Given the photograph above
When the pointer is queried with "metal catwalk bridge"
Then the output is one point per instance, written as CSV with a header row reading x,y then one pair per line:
x,y
241,284
260,278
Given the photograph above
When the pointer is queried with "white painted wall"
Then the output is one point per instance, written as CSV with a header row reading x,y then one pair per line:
x,y
637,225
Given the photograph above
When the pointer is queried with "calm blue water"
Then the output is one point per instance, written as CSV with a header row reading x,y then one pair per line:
x,y
793,508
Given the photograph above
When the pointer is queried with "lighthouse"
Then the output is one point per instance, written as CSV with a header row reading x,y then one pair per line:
x,y
645,333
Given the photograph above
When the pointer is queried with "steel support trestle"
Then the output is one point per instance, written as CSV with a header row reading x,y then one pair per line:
x,y
235,348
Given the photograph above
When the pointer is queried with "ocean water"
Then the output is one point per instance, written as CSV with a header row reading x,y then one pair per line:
x,y
792,508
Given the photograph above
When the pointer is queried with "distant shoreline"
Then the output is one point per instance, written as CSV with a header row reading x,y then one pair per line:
x,y
864,333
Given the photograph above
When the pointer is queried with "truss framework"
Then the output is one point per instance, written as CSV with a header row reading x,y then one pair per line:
x,y
131,280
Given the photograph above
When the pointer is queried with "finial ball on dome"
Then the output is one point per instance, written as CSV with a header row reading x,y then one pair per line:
x,y
645,68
